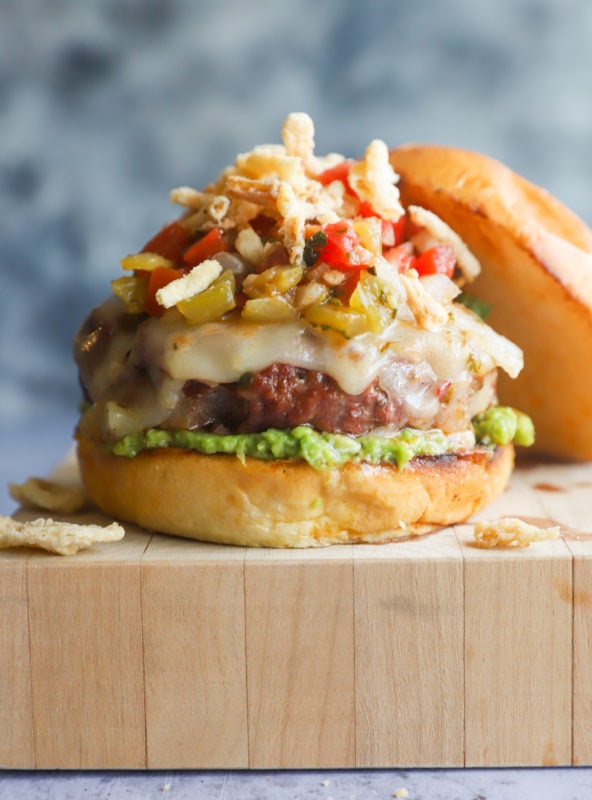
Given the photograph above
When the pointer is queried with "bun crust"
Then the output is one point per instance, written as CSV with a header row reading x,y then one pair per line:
x,y
536,261
217,498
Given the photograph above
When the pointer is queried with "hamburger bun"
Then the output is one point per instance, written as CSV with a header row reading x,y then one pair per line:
x,y
218,498
536,273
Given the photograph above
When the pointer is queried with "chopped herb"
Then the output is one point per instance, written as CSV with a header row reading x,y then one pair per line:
x,y
475,304
312,246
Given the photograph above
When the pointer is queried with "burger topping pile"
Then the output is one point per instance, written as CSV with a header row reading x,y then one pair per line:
x,y
296,308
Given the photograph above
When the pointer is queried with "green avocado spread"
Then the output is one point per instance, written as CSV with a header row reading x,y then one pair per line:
x,y
497,426
502,425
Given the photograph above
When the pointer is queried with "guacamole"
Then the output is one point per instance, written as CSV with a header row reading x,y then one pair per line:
x,y
499,425
502,425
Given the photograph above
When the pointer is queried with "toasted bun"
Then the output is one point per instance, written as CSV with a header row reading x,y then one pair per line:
x,y
217,498
536,261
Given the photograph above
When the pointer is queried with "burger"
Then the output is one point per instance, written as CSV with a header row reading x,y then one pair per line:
x,y
295,361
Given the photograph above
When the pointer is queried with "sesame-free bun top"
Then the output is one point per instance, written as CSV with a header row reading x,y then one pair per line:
x,y
536,272
219,498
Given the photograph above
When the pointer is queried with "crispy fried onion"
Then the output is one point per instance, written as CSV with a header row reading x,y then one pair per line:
x,y
63,538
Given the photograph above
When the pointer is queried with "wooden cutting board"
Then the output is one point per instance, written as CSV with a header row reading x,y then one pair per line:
x,y
161,653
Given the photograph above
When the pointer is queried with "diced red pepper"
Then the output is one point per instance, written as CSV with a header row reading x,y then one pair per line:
x,y
366,210
438,260
393,233
401,257
159,277
340,251
347,287
340,172
388,235
213,242
170,242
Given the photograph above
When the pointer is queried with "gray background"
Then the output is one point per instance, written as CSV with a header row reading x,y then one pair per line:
x,y
106,105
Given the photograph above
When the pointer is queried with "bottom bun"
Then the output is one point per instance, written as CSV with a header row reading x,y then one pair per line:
x,y
217,498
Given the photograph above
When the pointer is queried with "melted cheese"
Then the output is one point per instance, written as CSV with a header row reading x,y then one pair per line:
x,y
220,352
223,351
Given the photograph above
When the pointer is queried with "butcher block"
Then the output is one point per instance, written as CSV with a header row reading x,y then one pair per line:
x,y
156,652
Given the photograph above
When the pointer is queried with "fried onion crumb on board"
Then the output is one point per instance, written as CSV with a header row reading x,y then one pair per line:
x,y
62,538
511,532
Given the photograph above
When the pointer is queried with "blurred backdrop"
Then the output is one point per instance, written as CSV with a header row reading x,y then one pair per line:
x,y
106,105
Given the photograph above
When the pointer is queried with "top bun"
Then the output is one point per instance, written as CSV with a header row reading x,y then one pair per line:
x,y
536,273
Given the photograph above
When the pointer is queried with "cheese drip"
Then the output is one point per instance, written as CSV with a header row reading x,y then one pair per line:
x,y
223,351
